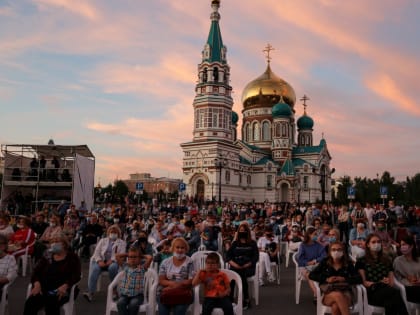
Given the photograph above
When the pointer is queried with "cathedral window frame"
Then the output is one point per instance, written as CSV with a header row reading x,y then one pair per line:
x,y
256,131
266,130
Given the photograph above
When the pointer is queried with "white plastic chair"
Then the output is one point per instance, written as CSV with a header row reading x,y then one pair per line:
x,y
254,284
237,307
321,309
412,308
150,287
289,252
68,308
25,260
199,259
369,309
4,302
298,278
220,243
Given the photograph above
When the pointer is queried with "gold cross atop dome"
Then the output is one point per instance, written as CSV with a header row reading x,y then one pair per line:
x,y
304,99
267,50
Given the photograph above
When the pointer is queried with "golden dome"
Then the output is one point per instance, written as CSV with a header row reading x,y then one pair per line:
x,y
268,84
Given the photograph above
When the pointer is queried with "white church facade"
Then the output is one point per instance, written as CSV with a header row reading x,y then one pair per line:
x,y
275,158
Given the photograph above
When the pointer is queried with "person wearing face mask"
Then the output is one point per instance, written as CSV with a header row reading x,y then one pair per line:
x,y
377,274
242,257
357,240
8,267
142,243
53,230
175,272
335,275
268,249
407,268
387,241
53,278
309,254
24,236
105,259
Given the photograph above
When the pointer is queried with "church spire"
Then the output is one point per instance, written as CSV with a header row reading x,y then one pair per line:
x,y
214,50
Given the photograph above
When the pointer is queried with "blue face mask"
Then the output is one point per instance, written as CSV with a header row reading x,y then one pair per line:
x,y
315,238
332,239
56,248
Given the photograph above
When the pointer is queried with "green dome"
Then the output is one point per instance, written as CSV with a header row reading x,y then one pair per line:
x,y
235,118
305,122
281,110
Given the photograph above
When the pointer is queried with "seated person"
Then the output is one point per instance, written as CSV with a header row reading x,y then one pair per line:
x,y
211,233
387,241
5,228
90,234
323,237
39,225
165,252
8,267
294,237
268,249
216,286
130,288
24,236
192,236
357,240
142,243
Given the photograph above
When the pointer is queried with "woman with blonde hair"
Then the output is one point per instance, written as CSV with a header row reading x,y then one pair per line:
x,y
175,272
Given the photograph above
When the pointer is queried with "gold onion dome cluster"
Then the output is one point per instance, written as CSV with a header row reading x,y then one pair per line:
x,y
268,85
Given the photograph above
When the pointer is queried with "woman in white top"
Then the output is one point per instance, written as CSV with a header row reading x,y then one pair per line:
x,y
105,258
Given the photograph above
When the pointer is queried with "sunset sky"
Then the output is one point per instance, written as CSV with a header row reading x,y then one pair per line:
x,y
119,76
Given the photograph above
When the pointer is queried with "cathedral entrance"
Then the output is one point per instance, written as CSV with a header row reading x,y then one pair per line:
x,y
200,191
284,193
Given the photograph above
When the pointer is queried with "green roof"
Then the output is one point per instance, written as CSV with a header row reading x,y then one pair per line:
x,y
215,42
253,147
288,168
263,160
242,160
312,149
299,162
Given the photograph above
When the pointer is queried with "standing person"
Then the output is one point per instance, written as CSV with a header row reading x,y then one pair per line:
x,y
343,223
407,269
335,275
377,274
8,267
104,259
53,278
309,254
175,272
242,257
216,286
131,287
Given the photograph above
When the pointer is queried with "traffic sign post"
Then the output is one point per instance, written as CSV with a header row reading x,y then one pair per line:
x,y
139,188
351,192
181,188
383,191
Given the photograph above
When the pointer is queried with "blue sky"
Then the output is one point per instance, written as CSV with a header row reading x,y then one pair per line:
x,y
119,76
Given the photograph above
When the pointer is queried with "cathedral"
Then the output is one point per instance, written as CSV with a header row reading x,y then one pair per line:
x,y
274,160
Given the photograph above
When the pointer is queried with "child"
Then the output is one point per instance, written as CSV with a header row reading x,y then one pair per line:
x,y
216,286
130,288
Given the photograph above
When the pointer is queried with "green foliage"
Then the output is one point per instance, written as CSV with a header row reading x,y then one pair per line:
x,y
368,190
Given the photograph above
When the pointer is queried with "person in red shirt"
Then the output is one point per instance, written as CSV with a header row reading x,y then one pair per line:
x,y
24,236
216,286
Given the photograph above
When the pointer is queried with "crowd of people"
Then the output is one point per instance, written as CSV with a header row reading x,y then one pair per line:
x,y
337,247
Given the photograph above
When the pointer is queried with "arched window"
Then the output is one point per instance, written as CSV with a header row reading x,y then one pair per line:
x,y
215,120
256,128
215,74
249,132
205,75
284,130
278,130
266,130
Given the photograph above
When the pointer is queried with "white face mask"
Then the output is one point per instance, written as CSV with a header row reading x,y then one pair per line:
x,y
179,256
336,255
52,224
113,236
20,226
376,247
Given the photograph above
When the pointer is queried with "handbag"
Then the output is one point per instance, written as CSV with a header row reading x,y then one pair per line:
x,y
176,296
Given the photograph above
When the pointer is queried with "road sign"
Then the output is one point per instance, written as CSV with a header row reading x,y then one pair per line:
x,y
139,186
383,191
182,186
351,192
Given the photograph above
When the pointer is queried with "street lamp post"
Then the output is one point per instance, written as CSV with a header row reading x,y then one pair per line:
x,y
219,163
323,180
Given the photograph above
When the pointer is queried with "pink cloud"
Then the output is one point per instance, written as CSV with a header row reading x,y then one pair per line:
x,y
81,8
384,86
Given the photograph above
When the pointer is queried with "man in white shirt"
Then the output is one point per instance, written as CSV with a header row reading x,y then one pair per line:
x,y
268,247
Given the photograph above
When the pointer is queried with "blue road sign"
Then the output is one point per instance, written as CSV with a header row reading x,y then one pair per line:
x,y
383,191
351,192
139,186
182,186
